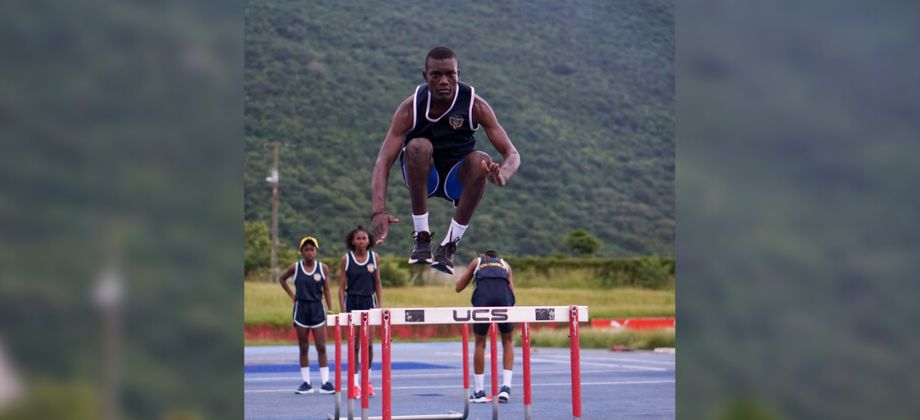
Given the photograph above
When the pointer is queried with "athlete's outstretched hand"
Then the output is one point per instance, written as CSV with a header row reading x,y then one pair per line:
x,y
495,173
381,225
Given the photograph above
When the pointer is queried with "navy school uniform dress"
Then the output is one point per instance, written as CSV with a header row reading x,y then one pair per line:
x,y
360,290
309,308
492,289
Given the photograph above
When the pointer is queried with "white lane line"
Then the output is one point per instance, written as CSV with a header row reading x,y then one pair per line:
x,y
616,359
609,365
566,384
435,375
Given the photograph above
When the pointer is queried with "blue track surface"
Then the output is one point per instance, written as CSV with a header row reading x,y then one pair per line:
x,y
427,378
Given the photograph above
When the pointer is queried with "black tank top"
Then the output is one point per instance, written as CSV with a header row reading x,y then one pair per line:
x,y
360,277
451,134
309,286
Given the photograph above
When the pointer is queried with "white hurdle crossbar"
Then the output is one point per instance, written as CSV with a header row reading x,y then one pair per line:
x,y
468,315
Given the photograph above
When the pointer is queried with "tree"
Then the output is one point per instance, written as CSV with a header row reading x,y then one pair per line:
x,y
257,246
581,242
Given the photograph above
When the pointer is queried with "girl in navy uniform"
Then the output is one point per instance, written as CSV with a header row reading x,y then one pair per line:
x,y
311,287
494,287
359,286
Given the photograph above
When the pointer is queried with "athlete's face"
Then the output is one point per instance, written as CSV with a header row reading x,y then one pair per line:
x,y
308,252
360,240
441,76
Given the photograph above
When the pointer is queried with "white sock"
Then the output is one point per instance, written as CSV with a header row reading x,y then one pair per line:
x,y
358,379
421,222
479,380
305,374
454,233
324,374
506,376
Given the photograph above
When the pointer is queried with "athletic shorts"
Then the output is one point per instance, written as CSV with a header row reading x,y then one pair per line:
x,y
443,180
360,303
490,292
309,314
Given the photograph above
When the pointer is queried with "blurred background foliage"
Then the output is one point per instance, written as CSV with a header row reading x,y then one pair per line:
x,y
797,237
120,208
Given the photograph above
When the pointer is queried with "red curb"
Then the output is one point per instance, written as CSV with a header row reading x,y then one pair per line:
x,y
267,332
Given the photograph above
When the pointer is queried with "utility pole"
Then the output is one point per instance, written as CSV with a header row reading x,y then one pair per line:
x,y
273,179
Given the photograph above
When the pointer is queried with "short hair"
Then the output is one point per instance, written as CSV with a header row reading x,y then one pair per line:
x,y
350,236
440,53
491,253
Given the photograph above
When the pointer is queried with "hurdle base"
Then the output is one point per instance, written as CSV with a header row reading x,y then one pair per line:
x,y
448,416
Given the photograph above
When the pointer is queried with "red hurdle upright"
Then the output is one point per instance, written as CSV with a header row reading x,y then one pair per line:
x,y
351,368
365,361
575,362
385,349
466,369
525,350
338,365
494,353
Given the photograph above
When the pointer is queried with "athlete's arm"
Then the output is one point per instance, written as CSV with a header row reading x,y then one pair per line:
x,y
343,282
389,151
283,280
466,277
499,174
377,283
326,292
510,280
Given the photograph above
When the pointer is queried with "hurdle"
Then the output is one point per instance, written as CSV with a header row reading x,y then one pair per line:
x,y
523,315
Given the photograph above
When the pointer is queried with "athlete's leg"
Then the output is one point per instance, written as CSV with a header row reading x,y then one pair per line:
x,y
507,350
473,179
418,159
479,355
319,340
303,342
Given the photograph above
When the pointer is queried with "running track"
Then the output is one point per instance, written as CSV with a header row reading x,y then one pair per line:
x,y
427,378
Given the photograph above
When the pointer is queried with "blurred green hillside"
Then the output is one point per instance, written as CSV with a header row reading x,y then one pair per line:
x,y
584,89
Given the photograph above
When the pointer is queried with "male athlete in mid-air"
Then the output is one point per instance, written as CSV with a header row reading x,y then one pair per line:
x,y
432,134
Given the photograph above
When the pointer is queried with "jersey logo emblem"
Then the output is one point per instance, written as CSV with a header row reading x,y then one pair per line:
x,y
317,277
371,268
456,121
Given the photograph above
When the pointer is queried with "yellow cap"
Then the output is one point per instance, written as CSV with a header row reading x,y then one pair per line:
x,y
309,239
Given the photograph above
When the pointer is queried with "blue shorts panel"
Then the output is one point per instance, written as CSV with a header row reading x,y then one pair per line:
x,y
443,180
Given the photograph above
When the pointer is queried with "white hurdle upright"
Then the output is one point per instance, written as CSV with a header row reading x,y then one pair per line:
x,y
469,315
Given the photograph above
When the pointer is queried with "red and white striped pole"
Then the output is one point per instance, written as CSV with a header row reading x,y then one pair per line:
x,y
525,344
494,348
575,361
365,360
338,366
385,350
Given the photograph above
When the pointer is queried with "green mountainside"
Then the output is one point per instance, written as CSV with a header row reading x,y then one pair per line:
x,y
584,89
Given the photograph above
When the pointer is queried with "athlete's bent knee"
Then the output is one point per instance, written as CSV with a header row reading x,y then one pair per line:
x,y
419,147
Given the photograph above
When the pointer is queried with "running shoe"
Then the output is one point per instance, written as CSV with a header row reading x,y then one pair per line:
x,y
327,388
479,397
444,257
304,388
421,253
504,394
